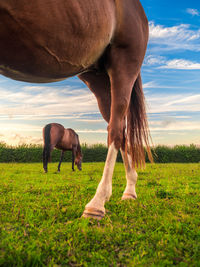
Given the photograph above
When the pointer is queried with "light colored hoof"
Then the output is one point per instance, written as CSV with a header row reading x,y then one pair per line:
x,y
93,213
128,196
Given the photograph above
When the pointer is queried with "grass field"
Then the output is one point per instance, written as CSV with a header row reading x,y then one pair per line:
x,y
40,222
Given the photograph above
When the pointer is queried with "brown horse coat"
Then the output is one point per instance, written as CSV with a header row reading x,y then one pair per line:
x,y
51,37
104,42
56,136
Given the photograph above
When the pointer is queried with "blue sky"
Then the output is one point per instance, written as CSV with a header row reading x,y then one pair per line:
x,y
171,80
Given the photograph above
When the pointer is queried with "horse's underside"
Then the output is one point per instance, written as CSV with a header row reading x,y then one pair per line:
x,y
104,42
47,40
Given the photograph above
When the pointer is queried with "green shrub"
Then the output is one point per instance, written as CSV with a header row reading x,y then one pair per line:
x,y
97,153
177,154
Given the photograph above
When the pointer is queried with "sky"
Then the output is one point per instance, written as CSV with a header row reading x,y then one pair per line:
x,y
171,82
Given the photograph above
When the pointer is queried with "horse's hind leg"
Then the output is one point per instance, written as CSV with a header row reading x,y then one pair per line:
x,y
47,156
61,159
123,75
44,160
131,178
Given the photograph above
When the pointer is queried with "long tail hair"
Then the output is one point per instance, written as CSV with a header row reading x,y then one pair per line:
x,y
47,143
137,126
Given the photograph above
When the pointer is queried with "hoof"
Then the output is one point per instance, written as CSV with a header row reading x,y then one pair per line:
x,y
128,196
45,171
93,213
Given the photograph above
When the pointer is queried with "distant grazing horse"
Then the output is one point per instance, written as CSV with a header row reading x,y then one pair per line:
x,y
104,43
55,135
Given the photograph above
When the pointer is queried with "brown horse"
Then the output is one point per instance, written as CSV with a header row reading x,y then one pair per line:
x,y
55,135
102,41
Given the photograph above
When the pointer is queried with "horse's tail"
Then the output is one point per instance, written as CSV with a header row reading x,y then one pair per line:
x,y
47,144
137,126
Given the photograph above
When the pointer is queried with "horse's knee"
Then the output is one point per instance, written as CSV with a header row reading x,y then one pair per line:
x,y
116,135
122,105
117,125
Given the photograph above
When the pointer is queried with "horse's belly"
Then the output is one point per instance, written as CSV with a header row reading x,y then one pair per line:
x,y
67,141
50,40
26,76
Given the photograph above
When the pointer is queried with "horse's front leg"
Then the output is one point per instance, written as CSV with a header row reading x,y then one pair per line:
x,y
73,156
95,208
99,84
61,159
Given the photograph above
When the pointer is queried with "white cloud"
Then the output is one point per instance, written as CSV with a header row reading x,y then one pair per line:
x,y
163,63
39,117
163,103
161,32
153,60
19,127
181,64
92,131
91,120
174,126
150,84
180,37
191,99
20,139
192,11
43,101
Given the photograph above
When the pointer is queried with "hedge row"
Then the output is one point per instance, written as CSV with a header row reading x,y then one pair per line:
x,y
97,153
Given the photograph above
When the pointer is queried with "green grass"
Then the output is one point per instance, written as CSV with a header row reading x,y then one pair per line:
x,y
40,222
